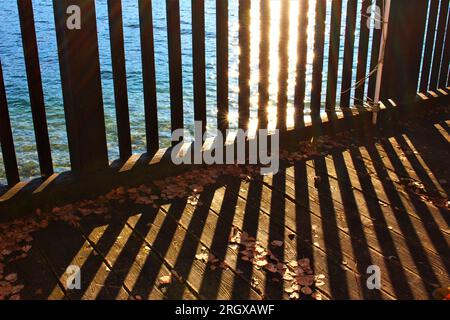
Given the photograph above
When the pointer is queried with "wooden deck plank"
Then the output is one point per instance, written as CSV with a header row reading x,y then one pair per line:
x,y
215,215
378,223
63,245
212,230
386,191
341,234
341,184
169,241
37,276
295,220
255,220
127,256
408,170
398,211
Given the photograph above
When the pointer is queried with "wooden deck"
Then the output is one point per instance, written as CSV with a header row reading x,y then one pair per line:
x,y
351,203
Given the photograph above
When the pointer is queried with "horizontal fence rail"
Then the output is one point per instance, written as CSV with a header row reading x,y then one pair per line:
x,y
344,42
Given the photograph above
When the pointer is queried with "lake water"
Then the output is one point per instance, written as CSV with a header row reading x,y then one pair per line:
x,y
11,55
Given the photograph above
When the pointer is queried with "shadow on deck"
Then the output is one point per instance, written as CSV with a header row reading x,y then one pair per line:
x,y
345,203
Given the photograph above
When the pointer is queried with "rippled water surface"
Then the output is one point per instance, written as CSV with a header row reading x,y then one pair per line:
x,y
11,54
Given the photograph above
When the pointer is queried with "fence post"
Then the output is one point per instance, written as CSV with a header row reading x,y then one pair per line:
x,y
404,50
81,83
6,137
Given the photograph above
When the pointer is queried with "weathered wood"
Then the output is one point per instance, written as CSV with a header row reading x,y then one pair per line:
x,y
333,54
302,53
222,63
319,43
283,66
245,217
349,48
439,45
173,239
380,189
30,49
244,64
362,54
445,58
175,65
37,276
264,64
344,232
302,237
119,77
429,45
131,261
198,57
376,41
207,230
407,232
6,137
149,76
82,87
74,249
401,72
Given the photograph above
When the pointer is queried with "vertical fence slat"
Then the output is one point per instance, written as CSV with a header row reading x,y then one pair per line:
x,y
362,54
333,55
198,56
244,63
448,77
319,43
34,78
402,67
149,74
439,45
429,45
302,53
222,63
175,65
445,58
375,54
349,48
264,64
283,66
82,87
120,77
6,137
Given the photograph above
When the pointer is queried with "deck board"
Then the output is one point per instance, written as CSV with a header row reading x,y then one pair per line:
x,y
345,209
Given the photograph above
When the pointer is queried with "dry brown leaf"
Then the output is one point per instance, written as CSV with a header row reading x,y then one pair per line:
x,y
261,263
12,277
307,290
277,243
165,280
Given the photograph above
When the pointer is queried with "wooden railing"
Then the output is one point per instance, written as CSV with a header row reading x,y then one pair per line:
x,y
417,60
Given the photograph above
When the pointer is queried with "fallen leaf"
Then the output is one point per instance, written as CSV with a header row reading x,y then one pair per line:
x,y
164,280
276,243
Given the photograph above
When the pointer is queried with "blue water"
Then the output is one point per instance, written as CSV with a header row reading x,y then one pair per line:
x,y
11,55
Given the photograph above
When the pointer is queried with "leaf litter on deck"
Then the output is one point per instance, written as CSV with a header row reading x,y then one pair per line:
x,y
16,236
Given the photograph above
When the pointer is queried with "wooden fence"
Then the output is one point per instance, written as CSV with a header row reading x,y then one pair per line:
x,y
417,60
